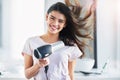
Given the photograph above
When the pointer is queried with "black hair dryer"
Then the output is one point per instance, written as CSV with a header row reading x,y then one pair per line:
x,y
46,50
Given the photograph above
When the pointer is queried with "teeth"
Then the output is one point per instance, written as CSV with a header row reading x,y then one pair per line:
x,y
53,27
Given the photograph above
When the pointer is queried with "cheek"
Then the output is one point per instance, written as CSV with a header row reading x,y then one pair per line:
x,y
64,25
49,21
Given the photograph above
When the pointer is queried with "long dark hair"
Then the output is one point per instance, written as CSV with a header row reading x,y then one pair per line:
x,y
71,34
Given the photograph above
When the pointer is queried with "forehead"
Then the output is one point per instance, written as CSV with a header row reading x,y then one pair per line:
x,y
57,15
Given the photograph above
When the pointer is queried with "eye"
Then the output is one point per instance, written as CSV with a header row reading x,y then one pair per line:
x,y
61,21
52,18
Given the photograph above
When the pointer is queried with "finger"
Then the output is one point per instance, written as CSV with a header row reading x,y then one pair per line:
x,y
40,64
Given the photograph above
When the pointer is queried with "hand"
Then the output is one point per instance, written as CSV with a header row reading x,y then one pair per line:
x,y
43,62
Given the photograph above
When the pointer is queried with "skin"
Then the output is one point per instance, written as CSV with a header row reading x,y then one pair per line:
x,y
55,22
30,69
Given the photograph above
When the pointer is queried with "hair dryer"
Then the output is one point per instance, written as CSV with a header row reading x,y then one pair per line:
x,y
46,50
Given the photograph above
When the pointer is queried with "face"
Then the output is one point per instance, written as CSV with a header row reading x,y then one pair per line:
x,y
55,22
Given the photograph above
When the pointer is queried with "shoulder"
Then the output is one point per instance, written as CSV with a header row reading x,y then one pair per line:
x,y
33,38
35,41
72,47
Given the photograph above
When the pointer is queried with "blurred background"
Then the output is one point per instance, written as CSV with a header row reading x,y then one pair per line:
x,y
21,19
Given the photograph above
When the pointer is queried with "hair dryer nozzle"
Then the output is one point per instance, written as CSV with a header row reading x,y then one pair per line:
x,y
58,45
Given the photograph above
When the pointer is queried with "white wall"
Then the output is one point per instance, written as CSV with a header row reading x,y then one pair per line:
x,y
6,24
27,20
106,32
21,19
118,34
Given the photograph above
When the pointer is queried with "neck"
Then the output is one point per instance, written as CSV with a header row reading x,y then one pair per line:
x,y
50,38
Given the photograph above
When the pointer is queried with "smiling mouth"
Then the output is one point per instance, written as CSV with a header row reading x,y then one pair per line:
x,y
54,27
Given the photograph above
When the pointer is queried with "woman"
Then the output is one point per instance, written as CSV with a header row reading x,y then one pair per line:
x,y
61,23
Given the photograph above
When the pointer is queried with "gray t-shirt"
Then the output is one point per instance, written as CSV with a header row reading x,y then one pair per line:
x,y
58,67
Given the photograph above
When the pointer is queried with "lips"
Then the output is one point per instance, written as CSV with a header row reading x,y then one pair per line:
x,y
53,28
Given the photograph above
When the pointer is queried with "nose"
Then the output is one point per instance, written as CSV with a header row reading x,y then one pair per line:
x,y
56,22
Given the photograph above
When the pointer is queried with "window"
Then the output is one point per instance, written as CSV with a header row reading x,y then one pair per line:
x,y
91,50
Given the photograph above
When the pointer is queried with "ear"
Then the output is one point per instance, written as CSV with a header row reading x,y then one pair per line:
x,y
46,17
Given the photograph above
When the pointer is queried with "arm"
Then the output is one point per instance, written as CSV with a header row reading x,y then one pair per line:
x,y
30,69
71,66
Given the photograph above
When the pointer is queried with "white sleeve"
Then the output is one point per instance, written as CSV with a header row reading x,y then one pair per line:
x,y
27,48
74,53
